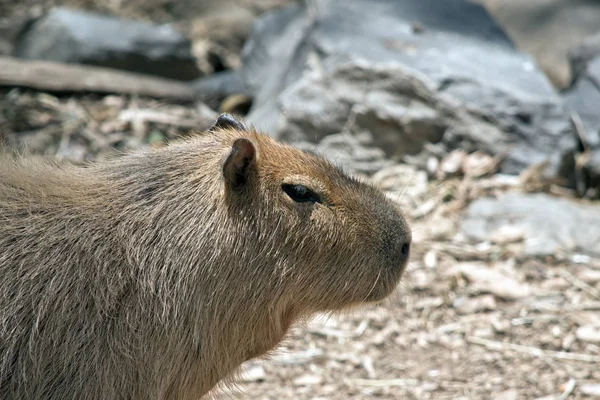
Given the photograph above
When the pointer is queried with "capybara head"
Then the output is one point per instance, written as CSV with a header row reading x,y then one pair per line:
x,y
332,240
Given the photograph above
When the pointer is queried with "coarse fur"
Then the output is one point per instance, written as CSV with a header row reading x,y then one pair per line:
x,y
156,274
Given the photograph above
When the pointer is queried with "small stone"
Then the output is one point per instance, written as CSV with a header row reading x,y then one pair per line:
x,y
476,304
308,380
429,386
452,164
483,333
430,260
434,373
428,303
589,333
432,165
477,164
590,276
590,389
556,331
581,258
567,342
492,281
420,279
500,326
507,234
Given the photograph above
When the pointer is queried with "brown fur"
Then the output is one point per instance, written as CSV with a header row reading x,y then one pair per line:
x,y
149,277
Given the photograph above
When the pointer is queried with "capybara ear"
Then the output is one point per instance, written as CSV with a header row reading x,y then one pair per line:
x,y
228,121
239,163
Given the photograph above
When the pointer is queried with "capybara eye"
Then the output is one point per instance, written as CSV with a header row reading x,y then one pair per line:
x,y
300,193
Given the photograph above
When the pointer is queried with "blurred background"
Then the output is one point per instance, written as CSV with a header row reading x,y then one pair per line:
x,y
479,117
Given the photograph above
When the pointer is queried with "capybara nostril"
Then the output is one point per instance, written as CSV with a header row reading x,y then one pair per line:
x,y
405,250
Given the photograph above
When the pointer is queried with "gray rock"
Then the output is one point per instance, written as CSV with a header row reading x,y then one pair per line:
x,y
214,88
403,72
349,153
581,56
583,98
72,36
268,59
549,224
475,305
386,105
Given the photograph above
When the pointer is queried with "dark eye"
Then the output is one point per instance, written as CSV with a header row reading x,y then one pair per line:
x,y
300,193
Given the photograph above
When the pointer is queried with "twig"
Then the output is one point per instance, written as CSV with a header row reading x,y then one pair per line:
x,y
385,382
568,390
163,117
581,158
55,76
591,306
581,284
460,251
580,130
297,358
533,351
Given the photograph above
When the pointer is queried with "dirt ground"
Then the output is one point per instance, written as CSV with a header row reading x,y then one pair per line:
x,y
445,334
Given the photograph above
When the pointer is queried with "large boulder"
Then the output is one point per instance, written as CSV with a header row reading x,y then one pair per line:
x,y
80,37
406,74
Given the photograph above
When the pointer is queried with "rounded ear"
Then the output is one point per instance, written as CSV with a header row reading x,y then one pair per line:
x,y
239,163
225,121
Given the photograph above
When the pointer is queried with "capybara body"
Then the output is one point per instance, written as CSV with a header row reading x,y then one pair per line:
x,y
154,275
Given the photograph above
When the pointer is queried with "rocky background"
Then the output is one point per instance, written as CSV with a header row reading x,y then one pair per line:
x,y
479,117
